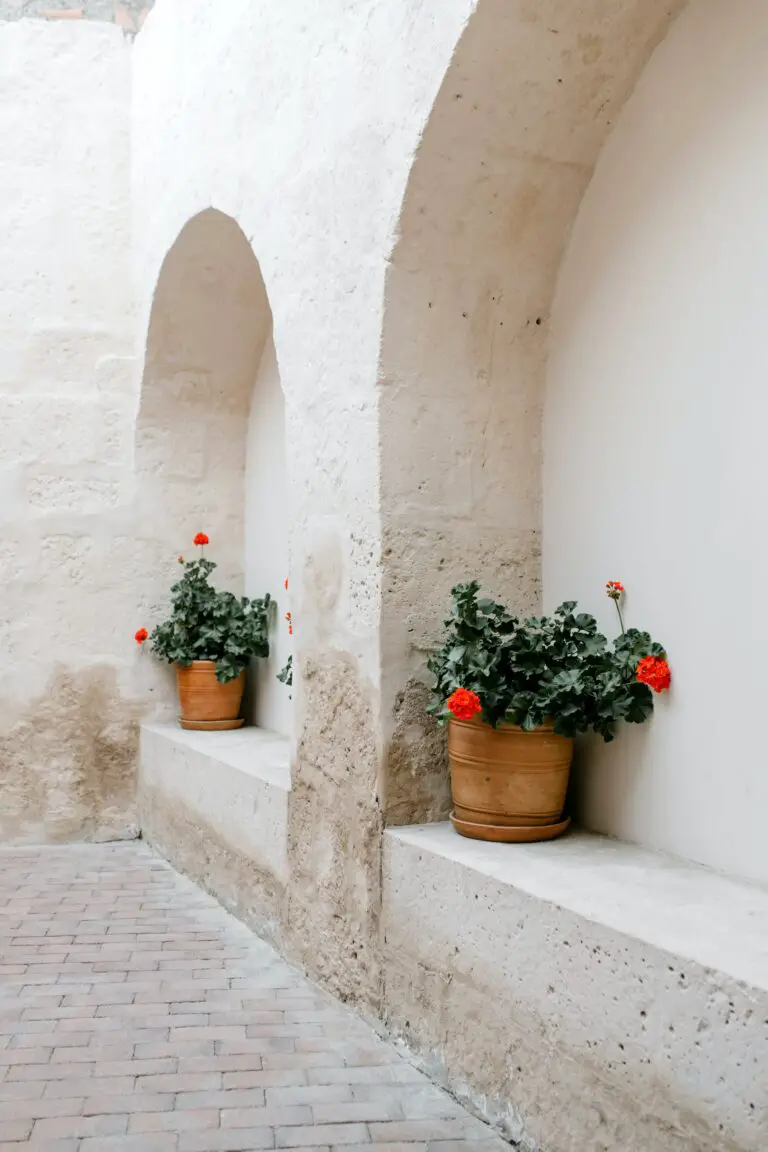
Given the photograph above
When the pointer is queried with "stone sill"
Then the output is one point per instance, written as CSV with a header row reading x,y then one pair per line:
x,y
684,909
235,784
593,993
258,752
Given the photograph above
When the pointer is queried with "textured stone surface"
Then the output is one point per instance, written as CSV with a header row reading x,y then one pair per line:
x,y
136,1015
334,832
69,762
633,990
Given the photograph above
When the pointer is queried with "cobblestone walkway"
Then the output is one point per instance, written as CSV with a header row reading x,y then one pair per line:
x,y
137,1016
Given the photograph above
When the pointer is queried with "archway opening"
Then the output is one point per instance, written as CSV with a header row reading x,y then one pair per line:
x,y
210,450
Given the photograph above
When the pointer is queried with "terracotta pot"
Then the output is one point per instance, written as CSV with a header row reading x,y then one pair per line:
x,y
205,702
508,784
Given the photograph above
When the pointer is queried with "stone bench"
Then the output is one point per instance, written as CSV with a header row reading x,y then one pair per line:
x,y
215,804
594,994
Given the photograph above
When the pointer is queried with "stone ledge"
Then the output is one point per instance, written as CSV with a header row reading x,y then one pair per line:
x,y
215,804
583,993
716,920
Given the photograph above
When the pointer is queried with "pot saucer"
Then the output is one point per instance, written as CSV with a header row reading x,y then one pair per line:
x,y
504,834
211,725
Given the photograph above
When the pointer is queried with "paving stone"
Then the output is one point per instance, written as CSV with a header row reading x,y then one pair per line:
x,y
137,1016
194,1120
322,1135
281,1115
227,1140
17,1130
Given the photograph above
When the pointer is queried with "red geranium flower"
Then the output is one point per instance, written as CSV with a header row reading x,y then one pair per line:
x,y
614,588
201,540
464,704
141,635
180,559
286,583
654,671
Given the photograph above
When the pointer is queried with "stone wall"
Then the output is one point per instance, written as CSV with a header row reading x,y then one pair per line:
x,y
68,707
339,160
412,415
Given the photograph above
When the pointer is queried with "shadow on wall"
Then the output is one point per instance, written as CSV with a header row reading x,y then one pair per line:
x,y
210,362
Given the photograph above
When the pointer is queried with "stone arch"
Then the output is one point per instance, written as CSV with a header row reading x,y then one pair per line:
x,y
503,163
210,374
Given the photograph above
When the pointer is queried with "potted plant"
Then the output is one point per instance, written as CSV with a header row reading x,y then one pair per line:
x,y
515,693
210,636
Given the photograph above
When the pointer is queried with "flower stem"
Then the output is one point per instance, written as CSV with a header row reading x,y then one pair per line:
x,y
621,618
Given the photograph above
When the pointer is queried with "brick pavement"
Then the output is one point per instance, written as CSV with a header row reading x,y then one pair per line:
x,y
137,1016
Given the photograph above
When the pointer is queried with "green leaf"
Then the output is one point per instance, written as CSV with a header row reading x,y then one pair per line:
x,y
557,666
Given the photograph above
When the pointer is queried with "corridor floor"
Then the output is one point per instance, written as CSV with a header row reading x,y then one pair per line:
x,y
138,1016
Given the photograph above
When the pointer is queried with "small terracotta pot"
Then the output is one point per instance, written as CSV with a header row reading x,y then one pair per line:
x,y
206,703
508,784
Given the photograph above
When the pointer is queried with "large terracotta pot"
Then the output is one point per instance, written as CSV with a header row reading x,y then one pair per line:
x,y
508,784
206,703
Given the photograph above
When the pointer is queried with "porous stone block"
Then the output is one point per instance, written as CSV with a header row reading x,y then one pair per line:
x,y
216,805
583,994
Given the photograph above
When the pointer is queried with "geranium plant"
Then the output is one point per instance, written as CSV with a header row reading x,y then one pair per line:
x,y
210,624
550,669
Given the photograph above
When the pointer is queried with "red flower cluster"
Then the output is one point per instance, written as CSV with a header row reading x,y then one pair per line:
x,y
201,540
289,618
464,704
654,671
141,635
614,589
286,583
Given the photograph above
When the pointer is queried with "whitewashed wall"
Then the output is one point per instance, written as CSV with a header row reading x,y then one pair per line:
x,y
67,328
267,528
655,462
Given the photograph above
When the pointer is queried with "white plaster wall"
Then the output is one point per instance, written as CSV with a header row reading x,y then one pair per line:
x,y
654,462
66,327
267,527
66,413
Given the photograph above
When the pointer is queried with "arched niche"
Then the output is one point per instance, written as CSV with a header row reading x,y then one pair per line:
x,y
503,163
654,439
210,448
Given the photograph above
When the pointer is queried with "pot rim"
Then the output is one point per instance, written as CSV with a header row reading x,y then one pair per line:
x,y
207,666
478,722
